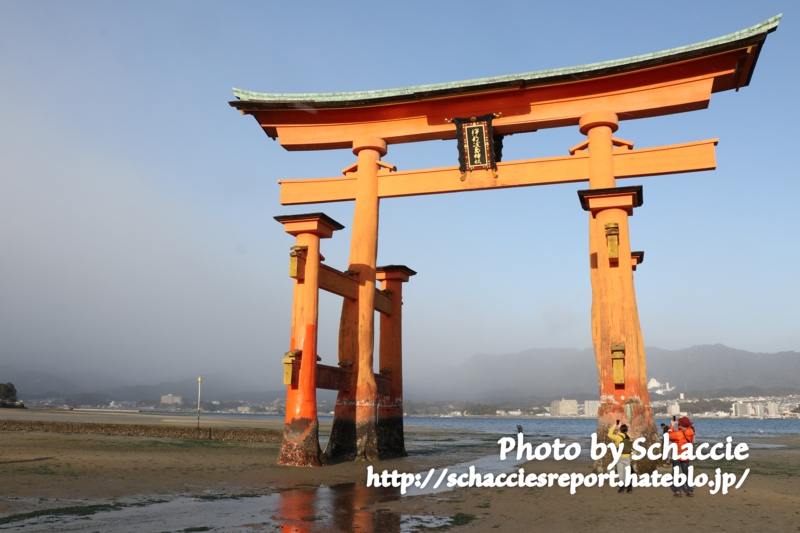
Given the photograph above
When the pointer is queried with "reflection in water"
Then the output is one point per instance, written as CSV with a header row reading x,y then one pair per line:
x,y
304,509
297,511
350,503
342,508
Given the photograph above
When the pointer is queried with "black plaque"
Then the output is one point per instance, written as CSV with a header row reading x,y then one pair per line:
x,y
475,144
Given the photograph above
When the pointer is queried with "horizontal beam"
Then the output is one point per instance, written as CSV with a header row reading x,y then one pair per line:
x,y
338,283
333,377
522,110
688,157
383,302
338,378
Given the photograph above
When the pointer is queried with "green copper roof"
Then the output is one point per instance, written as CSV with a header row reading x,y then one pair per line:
x,y
754,34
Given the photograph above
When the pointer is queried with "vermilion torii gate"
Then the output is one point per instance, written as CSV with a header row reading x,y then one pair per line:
x,y
594,97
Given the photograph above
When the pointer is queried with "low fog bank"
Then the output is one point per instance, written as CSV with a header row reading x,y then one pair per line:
x,y
543,373
573,372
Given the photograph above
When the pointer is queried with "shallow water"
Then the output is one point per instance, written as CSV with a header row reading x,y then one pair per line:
x,y
347,507
573,428
350,507
577,428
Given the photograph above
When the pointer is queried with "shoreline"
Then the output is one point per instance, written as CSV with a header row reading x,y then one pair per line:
x,y
47,471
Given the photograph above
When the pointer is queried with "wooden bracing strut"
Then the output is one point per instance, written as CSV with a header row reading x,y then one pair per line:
x,y
302,373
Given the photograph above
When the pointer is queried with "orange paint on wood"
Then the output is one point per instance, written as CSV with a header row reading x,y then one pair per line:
x,y
342,440
363,259
339,283
616,332
688,157
300,446
635,95
391,442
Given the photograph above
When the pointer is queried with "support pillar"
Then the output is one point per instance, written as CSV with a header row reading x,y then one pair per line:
x,y
300,446
353,433
391,442
616,333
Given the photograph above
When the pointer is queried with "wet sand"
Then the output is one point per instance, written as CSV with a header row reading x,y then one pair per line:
x,y
47,470
769,500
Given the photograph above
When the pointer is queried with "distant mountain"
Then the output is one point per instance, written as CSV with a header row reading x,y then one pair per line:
x,y
213,388
573,373
708,367
35,384
541,373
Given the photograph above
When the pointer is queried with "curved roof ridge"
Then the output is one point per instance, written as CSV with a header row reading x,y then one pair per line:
x,y
764,27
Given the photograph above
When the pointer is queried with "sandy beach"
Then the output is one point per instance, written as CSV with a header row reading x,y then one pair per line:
x,y
45,471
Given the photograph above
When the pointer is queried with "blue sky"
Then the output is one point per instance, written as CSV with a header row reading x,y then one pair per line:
x,y
136,206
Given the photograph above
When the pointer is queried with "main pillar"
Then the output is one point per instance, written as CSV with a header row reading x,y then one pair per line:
x,y
353,433
391,442
616,333
300,446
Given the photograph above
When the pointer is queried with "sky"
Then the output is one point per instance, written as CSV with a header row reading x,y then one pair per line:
x,y
136,229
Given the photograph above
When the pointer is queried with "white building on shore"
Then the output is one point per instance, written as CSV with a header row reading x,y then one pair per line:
x,y
169,399
564,408
590,408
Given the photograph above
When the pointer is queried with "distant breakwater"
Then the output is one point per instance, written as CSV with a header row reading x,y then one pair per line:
x,y
142,430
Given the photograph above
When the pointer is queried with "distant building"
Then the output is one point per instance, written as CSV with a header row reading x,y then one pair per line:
x,y
500,413
169,399
244,409
564,408
590,407
773,408
758,410
657,388
740,409
674,409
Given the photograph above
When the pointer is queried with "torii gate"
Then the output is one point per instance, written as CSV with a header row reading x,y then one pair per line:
x,y
595,97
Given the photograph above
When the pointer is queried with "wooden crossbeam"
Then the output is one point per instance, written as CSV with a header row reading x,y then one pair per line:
x,y
673,159
631,96
334,377
338,378
337,282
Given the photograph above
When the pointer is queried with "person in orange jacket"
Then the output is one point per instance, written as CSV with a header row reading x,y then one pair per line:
x,y
682,436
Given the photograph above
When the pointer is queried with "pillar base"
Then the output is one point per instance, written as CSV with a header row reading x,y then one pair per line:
x,y
639,419
342,442
391,442
300,445
366,433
